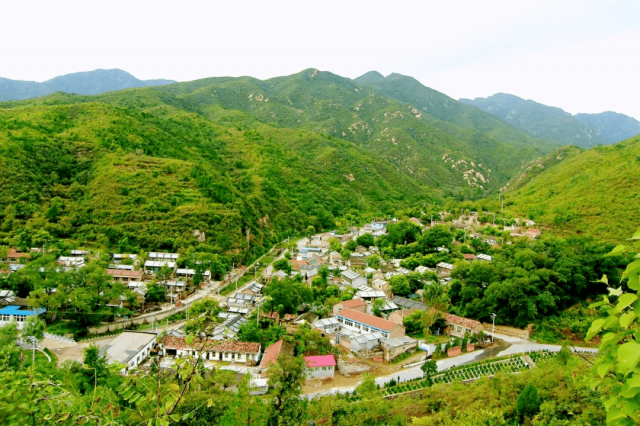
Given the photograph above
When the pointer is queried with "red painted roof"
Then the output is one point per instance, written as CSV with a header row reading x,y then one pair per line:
x,y
469,256
320,361
367,319
15,254
224,346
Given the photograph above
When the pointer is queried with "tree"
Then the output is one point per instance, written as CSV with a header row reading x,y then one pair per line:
x,y
438,236
615,371
430,369
225,379
155,293
377,307
365,240
33,327
374,261
400,285
528,402
287,377
282,265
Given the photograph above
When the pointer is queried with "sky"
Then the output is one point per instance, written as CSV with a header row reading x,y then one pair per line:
x,y
581,56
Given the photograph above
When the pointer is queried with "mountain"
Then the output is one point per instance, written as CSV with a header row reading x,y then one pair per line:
x,y
245,161
593,192
441,154
83,83
541,120
614,127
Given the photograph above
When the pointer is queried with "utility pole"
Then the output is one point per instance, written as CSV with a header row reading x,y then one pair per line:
x,y
493,332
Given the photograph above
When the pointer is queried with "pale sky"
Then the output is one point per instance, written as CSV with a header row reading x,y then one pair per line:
x,y
581,56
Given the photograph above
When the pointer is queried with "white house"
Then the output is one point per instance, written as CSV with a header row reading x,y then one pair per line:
x,y
212,350
18,314
129,348
353,278
320,366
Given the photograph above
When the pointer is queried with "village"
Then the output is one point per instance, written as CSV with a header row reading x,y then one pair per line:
x,y
370,328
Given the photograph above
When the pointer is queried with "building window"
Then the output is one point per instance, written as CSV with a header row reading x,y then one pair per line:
x,y
459,329
365,328
20,318
468,330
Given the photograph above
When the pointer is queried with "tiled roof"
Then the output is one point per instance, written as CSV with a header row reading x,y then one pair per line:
x,y
14,254
465,322
320,361
124,273
469,256
370,320
272,352
353,303
224,346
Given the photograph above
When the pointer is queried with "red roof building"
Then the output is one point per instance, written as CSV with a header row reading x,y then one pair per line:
x,y
459,326
365,323
124,275
355,304
468,256
272,353
14,255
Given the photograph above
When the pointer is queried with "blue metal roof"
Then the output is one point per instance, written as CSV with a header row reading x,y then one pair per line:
x,y
15,310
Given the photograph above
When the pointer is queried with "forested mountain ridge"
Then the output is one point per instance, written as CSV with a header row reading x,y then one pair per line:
x,y
415,141
583,130
246,161
111,176
594,192
83,83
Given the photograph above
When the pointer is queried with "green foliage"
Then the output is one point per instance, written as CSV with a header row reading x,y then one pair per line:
x,y
286,296
282,265
528,403
616,368
577,194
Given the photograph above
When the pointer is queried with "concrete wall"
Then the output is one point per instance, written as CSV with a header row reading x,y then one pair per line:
x,y
510,331
397,331
319,373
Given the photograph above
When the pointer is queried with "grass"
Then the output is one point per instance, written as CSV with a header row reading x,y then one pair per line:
x,y
402,357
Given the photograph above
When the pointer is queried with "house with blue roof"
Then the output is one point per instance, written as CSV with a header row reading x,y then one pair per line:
x,y
18,314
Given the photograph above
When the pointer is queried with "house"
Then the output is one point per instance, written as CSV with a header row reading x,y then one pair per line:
x,y
124,276
370,295
399,315
392,348
212,350
279,275
360,322
18,314
271,354
190,273
79,253
532,233
405,303
360,342
335,258
7,297
484,257
353,278
153,266
374,250
118,258
320,366
355,304
129,348
403,271
444,269
71,261
381,285
378,225
392,274
424,269
230,328
469,257
459,326
14,256
329,325
253,288
416,221
172,257
309,271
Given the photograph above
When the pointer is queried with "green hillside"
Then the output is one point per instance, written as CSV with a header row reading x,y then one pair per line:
x,y
245,161
419,144
134,178
540,120
595,192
